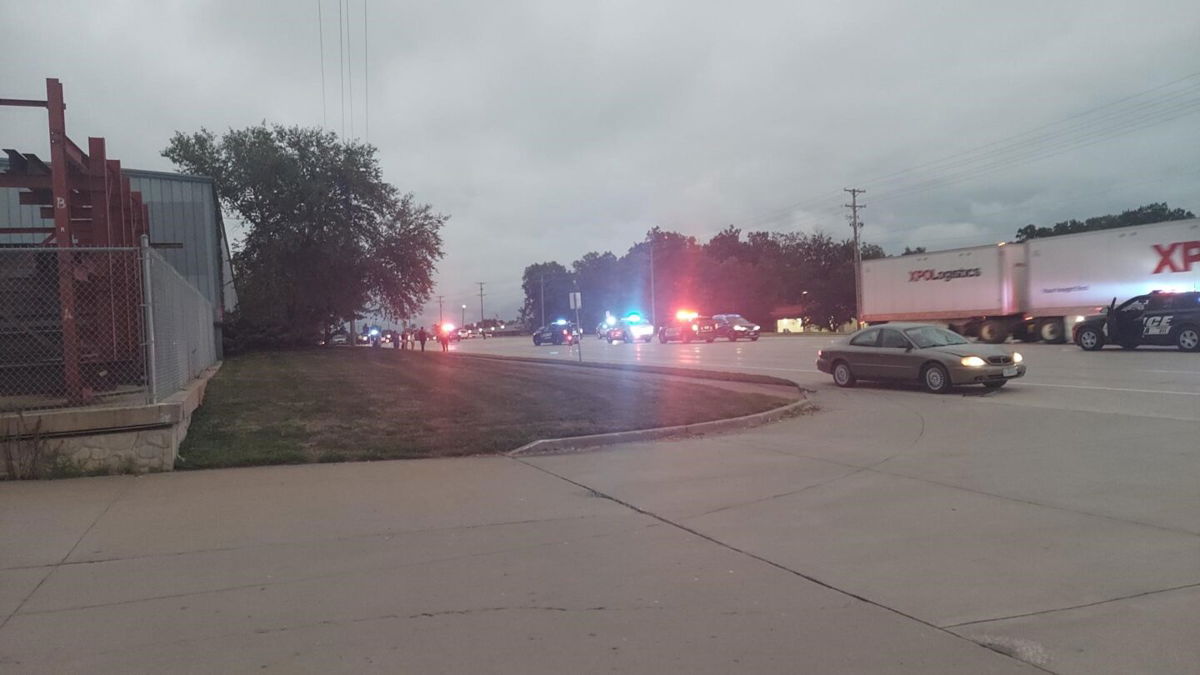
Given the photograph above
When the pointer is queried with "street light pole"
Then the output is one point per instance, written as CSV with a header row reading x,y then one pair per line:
x,y
464,321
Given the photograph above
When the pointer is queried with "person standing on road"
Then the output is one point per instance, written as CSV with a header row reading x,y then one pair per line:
x,y
422,336
444,338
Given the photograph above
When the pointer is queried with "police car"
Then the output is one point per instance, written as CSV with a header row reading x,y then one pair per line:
x,y
1156,318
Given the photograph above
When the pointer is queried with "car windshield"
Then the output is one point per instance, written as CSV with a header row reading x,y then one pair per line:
x,y
931,336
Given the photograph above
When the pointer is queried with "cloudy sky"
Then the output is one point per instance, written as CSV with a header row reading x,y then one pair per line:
x,y
547,129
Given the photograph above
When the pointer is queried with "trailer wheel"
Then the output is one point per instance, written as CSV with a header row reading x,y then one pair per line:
x,y
1027,331
993,332
1051,330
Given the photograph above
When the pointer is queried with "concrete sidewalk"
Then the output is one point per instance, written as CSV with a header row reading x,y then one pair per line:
x,y
446,566
876,536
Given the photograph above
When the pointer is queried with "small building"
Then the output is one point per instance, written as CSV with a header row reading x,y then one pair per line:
x,y
185,227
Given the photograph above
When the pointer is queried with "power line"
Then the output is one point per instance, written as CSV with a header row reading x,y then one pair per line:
x,y
321,38
879,179
1023,155
342,67
366,77
1136,114
350,66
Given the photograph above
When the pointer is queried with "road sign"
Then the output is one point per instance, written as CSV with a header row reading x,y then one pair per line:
x,y
576,300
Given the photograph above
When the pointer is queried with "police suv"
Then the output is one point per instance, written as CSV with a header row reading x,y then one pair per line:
x,y
1157,318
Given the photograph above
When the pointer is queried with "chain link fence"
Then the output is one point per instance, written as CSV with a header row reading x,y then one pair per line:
x,y
74,328
182,337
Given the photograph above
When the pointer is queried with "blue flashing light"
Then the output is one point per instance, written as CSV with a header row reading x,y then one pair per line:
x,y
560,322
634,317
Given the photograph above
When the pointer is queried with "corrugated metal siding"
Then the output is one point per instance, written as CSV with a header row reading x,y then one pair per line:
x,y
15,215
182,211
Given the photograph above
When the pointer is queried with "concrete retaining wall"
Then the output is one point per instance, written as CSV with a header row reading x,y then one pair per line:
x,y
130,439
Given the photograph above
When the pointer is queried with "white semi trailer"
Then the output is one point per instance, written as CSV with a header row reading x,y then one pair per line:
x,y
1035,290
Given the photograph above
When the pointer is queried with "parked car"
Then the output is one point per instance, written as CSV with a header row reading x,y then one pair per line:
x,y
734,327
339,339
688,327
929,355
557,333
1153,319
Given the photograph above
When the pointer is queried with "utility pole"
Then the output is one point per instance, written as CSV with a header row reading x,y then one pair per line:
x,y
855,223
480,326
653,313
440,298
543,298
464,321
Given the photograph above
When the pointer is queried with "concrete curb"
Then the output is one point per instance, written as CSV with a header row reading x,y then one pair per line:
x,y
549,446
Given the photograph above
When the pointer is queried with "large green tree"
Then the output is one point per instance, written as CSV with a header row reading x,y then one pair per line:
x,y
547,287
1142,215
326,235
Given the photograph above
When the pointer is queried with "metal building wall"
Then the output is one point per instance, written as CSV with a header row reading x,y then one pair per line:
x,y
183,210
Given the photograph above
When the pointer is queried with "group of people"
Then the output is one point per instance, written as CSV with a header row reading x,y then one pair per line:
x,y
408,338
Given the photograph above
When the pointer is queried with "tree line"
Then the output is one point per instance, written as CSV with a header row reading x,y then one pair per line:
x,y
762,275
757,275
1142,215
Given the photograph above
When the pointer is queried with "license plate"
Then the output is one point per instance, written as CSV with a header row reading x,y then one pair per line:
x,y
1011,371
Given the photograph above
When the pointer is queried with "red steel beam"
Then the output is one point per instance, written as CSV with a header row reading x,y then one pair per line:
x,y
62,226
102,230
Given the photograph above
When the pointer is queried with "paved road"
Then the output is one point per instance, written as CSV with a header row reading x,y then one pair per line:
x,y
1056,521
1061,513
1154,382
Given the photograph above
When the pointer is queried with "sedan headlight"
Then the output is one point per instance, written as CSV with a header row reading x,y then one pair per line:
x,y
973,362
1017,358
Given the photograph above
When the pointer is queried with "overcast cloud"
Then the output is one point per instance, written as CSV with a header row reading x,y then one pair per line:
x,y
549,129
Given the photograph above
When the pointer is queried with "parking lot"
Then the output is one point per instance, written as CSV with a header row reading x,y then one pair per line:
x,y
1053,524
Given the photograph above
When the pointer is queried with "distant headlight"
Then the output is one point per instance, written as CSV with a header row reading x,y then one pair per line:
x,y
1017,358
973,362
739,327
756,327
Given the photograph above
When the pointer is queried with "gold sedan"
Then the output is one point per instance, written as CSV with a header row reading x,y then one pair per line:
x,y
932,356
